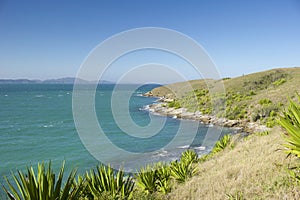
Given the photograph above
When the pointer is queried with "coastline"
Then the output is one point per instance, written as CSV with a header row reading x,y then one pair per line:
x,y
240,126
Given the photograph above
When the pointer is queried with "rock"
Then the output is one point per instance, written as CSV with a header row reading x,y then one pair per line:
x,y
231,123
168,100
205,119
148,94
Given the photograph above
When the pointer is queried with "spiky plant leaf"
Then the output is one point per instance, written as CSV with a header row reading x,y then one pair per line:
x,y
41,186
222,144
189,156
290,121
146,179
105,182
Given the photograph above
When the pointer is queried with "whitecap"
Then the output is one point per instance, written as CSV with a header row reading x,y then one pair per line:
x,y
6,95
39,96
201,148
161,153
47,126
183,147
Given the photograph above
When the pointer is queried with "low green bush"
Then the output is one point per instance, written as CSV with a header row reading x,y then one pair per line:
x,y
279,82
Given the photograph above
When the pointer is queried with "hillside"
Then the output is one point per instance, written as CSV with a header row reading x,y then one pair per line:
x,y
257,166
259,82
255,97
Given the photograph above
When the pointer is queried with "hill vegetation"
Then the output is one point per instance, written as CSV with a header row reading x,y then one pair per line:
x,y
257,97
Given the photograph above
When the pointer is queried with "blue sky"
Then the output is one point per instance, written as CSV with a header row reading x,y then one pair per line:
x,y
51,39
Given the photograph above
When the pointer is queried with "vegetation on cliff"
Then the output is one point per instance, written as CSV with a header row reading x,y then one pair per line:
x,y
257,97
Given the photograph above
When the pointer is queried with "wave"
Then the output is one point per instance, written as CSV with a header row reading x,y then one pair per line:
x,y
39,96
161,153
201,148
184,147
47,126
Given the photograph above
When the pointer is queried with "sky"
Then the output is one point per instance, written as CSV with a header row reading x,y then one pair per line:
x,y
51,39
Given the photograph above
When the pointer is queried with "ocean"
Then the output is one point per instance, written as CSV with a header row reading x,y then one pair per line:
x,y
36,124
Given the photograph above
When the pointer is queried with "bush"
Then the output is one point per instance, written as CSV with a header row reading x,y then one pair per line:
x,y
182,171
185,168
222,144
154,178
44,185
252,92
146,179
265,101
104,183
279,82
264,133
189,156
176,104
290,121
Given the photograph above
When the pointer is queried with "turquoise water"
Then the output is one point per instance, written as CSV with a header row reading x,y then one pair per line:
x,y
36,124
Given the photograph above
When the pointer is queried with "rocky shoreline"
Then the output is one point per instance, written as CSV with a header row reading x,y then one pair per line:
x,y
241,126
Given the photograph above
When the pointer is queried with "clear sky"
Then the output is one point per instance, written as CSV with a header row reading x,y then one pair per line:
x,y
50,39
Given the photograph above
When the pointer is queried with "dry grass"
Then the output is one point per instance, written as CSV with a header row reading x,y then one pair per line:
x,y
254,169
243,84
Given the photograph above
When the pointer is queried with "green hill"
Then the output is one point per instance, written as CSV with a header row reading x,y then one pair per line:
x,y
256,97
257,167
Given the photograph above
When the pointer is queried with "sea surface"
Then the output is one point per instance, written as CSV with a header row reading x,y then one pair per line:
x,y
36,124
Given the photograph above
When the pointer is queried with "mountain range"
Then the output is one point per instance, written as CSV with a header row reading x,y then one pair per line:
x,y
66,80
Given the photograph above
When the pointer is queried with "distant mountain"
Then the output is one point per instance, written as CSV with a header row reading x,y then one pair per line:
x,y
66,80
19,81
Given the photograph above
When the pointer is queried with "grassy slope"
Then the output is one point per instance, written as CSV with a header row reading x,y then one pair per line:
x,y
244,84
254,169
243,94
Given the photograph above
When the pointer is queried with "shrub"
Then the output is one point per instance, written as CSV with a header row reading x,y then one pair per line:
x,y
279,82
252,92
185,168
264,133
176,104
265,101
290,121
44,185
163,178
154,178
182,171
189,156
104,183
222,144
271,122
84,191
146,179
